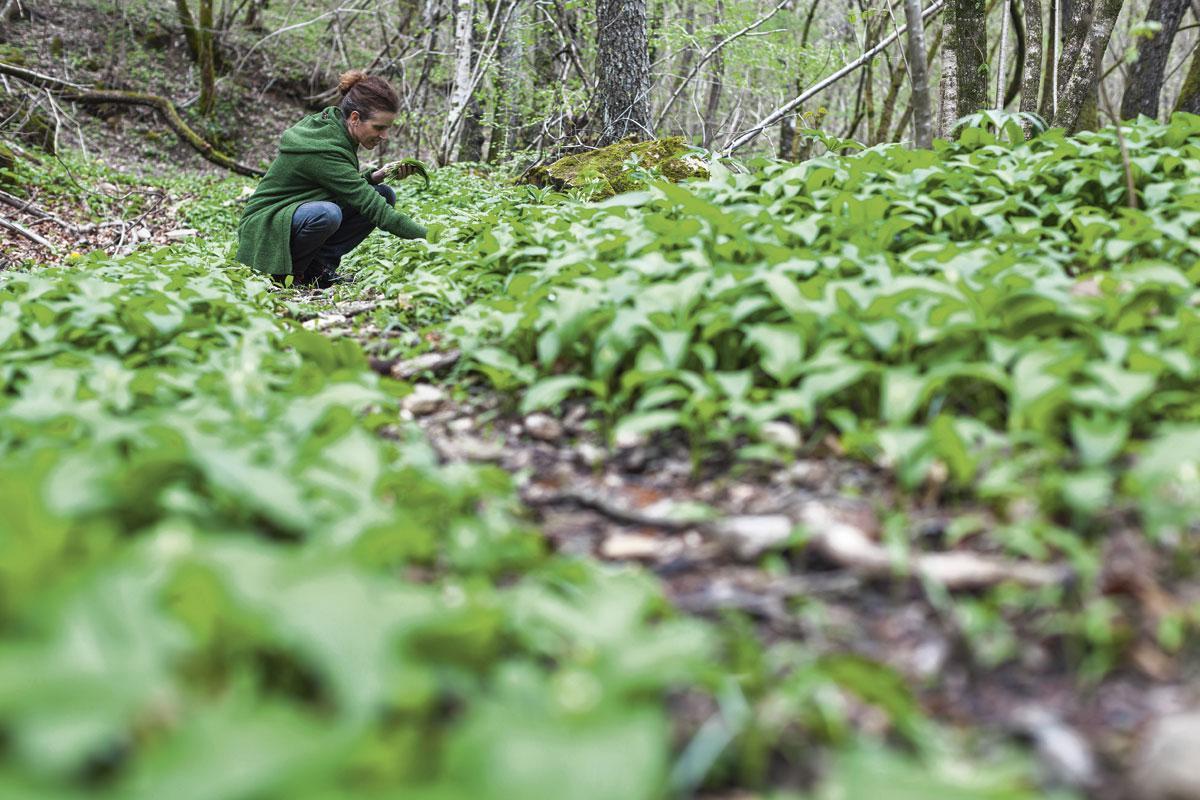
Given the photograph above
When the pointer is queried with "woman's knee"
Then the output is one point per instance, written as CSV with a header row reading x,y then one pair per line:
x,y
389,194
320,215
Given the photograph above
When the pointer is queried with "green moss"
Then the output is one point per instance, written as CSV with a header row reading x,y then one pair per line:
x,y
8,160
605,172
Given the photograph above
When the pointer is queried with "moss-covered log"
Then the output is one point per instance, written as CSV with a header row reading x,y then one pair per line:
x,y
606,171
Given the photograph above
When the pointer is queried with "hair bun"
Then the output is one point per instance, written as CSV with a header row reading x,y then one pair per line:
x,y
349,79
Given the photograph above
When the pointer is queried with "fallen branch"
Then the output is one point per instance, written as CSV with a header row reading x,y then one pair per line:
x,y
825,83
748,537
28,234
82,94
410,368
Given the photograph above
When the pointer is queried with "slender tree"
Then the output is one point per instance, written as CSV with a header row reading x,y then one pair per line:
x,y
1031,72
922,116
622,70
1146,74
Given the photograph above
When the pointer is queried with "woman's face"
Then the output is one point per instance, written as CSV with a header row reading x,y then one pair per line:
x,y
371,131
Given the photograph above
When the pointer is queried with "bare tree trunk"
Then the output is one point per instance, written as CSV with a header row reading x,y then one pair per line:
x,y
188,23
623,68
1083,80
716,84
1189,93
460,93
787,138
922,115
205,62
1002,66
948,86
1145,79
510,89
1031,74
970,54
1049,101
470,142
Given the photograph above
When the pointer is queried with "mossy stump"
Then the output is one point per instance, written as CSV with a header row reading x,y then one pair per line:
x,y
605,171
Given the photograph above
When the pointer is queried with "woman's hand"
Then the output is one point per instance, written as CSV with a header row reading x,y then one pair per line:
x,y
397,170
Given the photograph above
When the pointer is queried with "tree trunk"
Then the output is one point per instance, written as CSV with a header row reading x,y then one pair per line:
x,y
1031,74
206,63
510,90
1189,93
787,138
471,141
1146,74
188,23
1083,82
460,93
1048,103
715,86
948,85
970,54
922,115
1002,66
623,67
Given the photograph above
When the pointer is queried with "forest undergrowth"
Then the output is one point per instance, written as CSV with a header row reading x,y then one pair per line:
x,y
230,543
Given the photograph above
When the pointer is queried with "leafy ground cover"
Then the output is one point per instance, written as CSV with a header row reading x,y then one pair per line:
x,y
230,549
228,571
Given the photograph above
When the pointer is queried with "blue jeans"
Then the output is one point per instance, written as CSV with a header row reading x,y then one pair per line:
x,y
323,232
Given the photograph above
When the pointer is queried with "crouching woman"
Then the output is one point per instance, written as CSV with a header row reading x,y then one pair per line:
x,y
314,205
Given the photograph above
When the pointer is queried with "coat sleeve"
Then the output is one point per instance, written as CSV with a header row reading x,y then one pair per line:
x,y
342,180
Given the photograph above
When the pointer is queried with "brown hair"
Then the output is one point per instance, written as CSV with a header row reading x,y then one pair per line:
x,y
366,94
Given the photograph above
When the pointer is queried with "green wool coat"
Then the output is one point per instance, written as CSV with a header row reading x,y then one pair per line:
x,y
317,161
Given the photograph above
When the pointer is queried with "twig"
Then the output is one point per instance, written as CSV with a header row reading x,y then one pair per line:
x,y
858,63
712,51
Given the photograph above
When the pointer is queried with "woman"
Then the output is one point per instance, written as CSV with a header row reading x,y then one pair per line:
x,y
314,206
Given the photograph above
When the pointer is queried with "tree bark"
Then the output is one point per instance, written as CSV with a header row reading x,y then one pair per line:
x,y
970,54
1082,82
1031,73
948,85
82,94
623,70
1145,79
1002,66
922,115
188,23
460,94
206,63
1189,93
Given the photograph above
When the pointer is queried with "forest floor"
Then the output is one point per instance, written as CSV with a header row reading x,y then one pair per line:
x,y
635,502
792,547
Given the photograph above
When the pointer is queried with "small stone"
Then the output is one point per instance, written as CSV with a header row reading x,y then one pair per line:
x,y
142,234
425,399
460,425
625,440
751,536
1166,766
544,427
589,454
781,434
179,234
